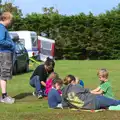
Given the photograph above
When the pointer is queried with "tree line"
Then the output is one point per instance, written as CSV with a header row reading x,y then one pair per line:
x,y
78,36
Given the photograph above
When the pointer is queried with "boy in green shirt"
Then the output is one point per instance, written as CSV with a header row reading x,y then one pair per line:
x,y
105,86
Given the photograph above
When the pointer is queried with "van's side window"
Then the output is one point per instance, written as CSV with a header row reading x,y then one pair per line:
x,y
46,45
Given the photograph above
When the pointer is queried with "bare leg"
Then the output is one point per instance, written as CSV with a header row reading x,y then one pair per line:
x,y
3,84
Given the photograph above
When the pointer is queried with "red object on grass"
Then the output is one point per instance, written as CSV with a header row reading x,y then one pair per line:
x,y
46,98
33,54
92,110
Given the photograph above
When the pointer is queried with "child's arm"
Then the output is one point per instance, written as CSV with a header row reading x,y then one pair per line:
x,y
58,97
97,91
43,83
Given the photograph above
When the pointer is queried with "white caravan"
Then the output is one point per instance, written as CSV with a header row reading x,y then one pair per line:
x,y
30,40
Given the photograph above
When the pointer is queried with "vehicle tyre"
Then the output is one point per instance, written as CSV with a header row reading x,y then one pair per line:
x,y
27,67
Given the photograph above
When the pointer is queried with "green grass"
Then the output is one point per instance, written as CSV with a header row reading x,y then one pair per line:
x,y
28,107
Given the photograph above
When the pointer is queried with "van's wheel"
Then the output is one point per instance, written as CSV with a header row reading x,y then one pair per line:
x,y
27,67
15,69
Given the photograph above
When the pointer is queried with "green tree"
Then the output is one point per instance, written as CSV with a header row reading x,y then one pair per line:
x,y
77,36
13,9
0,5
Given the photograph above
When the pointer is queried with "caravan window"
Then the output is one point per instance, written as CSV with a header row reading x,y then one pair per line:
x,y
34,41
46,45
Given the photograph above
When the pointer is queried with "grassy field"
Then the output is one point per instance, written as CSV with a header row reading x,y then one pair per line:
x,y
28,107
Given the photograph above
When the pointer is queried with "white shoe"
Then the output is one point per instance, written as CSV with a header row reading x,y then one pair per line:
x,y
60,106
34,94
40,96
8,100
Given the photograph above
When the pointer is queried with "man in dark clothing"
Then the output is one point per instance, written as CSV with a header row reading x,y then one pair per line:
x,y
39,76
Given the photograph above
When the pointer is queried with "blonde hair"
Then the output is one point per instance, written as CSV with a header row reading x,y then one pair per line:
x,y
6,16
66,80
77,80
103,72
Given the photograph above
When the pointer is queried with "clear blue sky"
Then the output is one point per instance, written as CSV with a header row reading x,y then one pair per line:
x,y
67,6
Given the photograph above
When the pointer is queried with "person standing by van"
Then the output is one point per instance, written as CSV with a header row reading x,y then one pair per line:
x,y
39,77
6,56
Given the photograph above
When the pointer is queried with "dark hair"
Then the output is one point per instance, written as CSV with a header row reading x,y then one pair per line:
x,y
67,80
50,62
57,80
72,77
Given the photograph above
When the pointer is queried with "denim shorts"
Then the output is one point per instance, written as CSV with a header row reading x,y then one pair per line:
x,y
6,65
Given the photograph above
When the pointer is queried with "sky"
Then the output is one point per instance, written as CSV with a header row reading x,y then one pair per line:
x,y
68,7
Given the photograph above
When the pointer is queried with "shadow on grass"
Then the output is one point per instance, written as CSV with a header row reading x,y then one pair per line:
x,y
21,73
22,95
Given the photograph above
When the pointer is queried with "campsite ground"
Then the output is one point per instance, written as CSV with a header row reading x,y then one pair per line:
x,y
28,107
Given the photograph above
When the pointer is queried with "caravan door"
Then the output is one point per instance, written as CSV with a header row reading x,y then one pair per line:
x,y
34,41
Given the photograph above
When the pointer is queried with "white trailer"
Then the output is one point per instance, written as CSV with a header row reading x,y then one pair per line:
x,y
30,40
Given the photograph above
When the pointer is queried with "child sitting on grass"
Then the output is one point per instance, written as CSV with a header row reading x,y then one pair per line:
x,y
105,86
53,76
54,98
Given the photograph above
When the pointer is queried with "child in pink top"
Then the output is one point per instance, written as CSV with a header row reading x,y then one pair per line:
x,y
52,77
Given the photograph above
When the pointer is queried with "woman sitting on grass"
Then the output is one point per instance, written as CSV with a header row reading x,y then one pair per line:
x,y
79,97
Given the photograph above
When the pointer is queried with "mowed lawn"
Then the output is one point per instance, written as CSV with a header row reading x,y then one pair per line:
x,y
28,107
